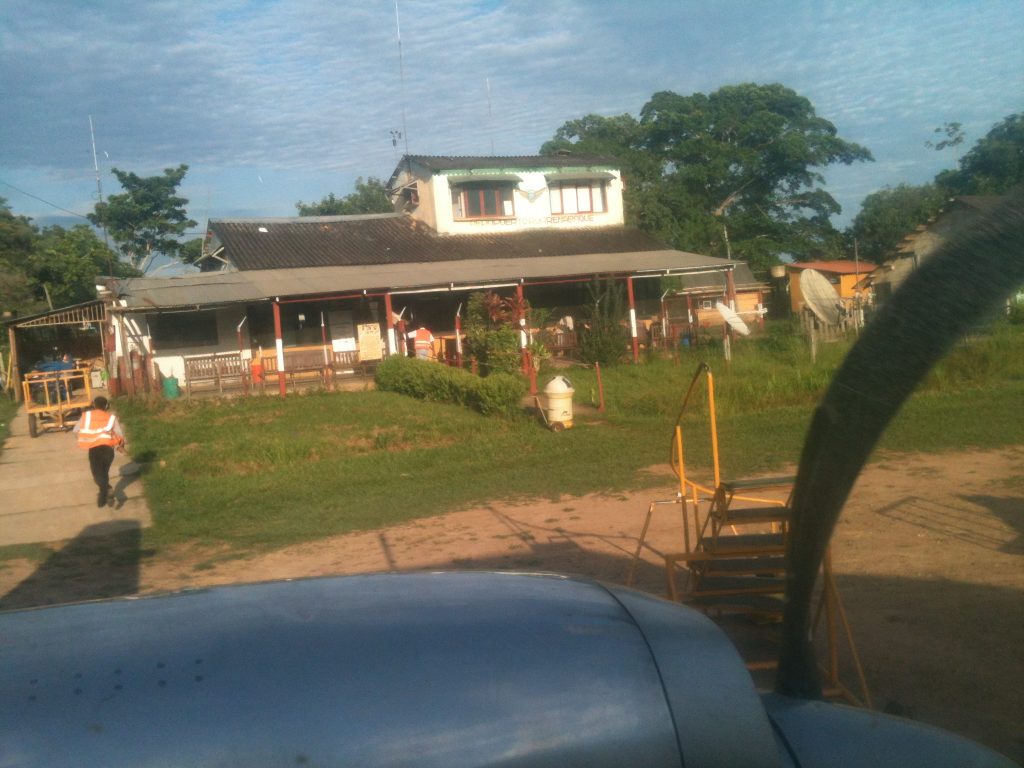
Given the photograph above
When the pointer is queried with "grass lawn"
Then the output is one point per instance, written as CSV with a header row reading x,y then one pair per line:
x,y
257,473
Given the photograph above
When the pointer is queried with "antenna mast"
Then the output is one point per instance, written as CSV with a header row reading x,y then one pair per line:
x,y
401,78
99,194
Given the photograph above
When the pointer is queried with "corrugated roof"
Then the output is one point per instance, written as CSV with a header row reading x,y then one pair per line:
x,y
219,288
837,267
742,278
439,163
326,241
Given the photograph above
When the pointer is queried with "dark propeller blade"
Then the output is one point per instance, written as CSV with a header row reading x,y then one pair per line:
x,y
959,286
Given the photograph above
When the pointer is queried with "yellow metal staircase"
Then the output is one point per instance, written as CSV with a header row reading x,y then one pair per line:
x,y
734,548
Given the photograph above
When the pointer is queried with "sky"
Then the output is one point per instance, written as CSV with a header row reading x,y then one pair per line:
x,y
270,103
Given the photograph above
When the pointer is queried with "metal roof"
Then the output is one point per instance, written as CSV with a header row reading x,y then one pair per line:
x,y
439,163
75,314
396,238
837,267
220,288
447,163
743,278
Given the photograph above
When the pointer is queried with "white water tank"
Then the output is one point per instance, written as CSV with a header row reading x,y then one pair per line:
x,y
558,396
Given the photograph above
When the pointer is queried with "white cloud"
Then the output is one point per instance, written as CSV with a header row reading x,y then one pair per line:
x,y
307,93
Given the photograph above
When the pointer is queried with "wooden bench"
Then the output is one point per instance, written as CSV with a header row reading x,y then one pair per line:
x,y
215,372
560,342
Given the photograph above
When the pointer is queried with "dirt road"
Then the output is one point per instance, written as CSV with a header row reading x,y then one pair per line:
x,y
929,556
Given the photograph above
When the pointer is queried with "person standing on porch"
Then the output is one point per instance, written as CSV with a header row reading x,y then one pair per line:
x,y
423,342
99,432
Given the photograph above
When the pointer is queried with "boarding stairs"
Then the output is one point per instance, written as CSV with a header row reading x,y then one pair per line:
x,y
733,559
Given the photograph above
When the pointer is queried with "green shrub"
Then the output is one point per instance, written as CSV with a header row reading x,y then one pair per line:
x,y
497,351
498,394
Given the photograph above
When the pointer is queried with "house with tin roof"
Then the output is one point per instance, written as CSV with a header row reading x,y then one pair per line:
x,y
327,293
917,246
845,275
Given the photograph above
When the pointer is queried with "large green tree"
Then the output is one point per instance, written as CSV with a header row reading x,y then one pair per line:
x,y
53,267
148,217
736,172
370,196
993,166
17,238
66,262
888,215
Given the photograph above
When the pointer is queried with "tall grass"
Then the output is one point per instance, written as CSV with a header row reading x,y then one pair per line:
x,y
7,410
265,472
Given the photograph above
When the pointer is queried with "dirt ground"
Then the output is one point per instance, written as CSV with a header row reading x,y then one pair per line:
x,y
929,558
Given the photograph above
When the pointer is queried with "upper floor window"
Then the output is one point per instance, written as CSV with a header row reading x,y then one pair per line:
x,y
577,197
482,200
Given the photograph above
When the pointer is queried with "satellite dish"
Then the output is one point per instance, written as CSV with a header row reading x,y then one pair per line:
x,y
820,297
735,321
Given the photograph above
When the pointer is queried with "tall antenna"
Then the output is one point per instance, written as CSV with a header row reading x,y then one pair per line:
x,y
401,77
99,194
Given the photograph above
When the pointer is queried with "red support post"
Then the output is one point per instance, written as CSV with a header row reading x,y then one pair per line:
x,y
632,320
458,338
524,355
279,340
389,325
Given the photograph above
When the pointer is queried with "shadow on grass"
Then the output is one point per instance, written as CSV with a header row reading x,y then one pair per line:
x,y
102,561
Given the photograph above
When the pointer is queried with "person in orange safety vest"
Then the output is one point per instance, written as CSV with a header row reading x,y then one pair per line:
x,y
99,432
423,342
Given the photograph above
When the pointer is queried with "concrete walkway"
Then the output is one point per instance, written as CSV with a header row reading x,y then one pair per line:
x,y
47,493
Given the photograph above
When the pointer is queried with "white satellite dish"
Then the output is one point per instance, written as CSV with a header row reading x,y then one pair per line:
x,y
735,321
820,296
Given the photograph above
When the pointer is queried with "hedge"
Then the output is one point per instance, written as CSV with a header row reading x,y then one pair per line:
x,y
499,393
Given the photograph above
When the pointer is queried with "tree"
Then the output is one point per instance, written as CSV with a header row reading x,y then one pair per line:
x,y
993,166
65,264
370,196
191,250
148,217
17,238
890,214
736,172
954,136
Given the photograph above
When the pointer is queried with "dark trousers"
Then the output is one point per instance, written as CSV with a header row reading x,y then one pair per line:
x,y
100,459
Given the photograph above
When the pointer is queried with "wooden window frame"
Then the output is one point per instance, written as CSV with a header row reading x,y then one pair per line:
x,y
557,188
499,193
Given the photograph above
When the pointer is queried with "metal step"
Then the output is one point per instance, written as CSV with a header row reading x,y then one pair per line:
x,y
745,603
758,482
773,564
750,515
744,544
738,585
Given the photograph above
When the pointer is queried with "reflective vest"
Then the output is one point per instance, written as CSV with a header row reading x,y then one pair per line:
x,y
97,428
423,338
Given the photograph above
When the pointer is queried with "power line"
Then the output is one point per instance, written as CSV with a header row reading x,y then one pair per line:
x,y
41,200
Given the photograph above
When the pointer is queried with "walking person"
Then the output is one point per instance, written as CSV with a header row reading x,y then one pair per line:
x,y
99,432
423,342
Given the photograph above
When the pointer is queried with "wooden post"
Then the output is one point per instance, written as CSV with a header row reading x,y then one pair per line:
x,y
279,341
600,388
632,320
730,297
15,369
691,320
458,337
